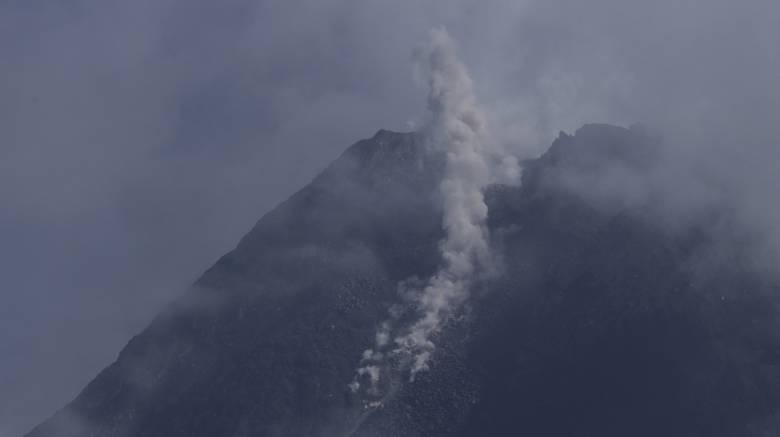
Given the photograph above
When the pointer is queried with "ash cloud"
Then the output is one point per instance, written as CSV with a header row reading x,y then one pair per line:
x,y
457,131
457,128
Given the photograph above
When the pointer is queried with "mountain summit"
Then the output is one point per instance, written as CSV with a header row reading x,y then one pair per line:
x,y
594,321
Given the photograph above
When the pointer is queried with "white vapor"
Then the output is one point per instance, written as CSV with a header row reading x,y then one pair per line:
x,y
457,129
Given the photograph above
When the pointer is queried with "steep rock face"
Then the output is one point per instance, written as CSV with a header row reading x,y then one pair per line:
x,y
596,322
267,339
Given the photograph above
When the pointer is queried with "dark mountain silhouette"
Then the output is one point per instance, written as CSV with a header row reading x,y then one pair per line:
x,y
595,322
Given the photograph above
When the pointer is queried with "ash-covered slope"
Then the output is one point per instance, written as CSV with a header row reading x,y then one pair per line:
x,y
595,322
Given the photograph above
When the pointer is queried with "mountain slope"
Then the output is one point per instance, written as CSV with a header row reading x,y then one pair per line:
x,y
597,322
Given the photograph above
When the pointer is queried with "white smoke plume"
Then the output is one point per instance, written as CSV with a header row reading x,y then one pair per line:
x,y
456,128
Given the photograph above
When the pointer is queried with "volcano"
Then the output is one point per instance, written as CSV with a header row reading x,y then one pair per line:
x,y
594,321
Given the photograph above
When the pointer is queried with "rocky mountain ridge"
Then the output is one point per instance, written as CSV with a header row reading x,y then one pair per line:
x,y
595,322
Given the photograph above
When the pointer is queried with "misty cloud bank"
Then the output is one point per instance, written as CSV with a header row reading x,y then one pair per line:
x,y
139,140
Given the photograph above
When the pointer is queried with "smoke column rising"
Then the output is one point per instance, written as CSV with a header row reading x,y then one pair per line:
x,y
457,129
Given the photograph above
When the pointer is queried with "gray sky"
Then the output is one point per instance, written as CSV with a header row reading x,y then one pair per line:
x,y
140,140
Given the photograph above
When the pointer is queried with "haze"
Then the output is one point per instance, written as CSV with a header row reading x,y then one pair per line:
x,y
139,140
